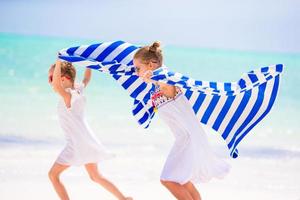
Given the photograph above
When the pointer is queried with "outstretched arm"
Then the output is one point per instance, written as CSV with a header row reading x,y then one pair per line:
x,y
87,76
56,83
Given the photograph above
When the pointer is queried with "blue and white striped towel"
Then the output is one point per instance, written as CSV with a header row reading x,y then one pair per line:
x,y
232,109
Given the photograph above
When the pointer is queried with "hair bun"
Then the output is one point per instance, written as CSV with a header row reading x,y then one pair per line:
x,y
154,47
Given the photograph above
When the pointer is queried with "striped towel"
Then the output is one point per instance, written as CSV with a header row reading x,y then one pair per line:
x,y
232,108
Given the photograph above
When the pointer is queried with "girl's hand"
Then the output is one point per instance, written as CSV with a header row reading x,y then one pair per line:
x,y
147,75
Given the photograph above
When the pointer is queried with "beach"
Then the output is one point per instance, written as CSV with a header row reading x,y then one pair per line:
x,y
30,136
136,171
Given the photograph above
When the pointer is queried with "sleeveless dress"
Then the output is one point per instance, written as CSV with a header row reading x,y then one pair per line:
x,y
191,157
82,145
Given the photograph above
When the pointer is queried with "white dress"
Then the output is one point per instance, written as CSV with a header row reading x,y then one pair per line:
x,y
191,157
82,145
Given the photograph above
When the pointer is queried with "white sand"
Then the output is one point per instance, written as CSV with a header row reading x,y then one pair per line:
x,y
136,169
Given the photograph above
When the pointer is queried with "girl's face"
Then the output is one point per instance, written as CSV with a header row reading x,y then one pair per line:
x,y
50,76
142,68
64,79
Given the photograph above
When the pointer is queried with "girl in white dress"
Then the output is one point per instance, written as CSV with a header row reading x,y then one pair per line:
x,y
191,159
82,147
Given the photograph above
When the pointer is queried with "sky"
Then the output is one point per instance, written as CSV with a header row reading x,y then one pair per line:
x,y
255,25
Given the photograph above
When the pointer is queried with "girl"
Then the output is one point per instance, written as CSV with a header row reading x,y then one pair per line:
x,y
82,146
191,159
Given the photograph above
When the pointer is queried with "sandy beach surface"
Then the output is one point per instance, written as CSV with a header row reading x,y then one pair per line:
x,y
136,170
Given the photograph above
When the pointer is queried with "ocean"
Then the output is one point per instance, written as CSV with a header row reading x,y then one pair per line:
x,y
28,121
28,105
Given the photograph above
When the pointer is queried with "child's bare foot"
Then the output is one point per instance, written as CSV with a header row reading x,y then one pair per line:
x,y
128,198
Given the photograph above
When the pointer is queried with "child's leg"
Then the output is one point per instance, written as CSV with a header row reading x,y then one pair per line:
x,y
180,192
54,174
192,190
94,174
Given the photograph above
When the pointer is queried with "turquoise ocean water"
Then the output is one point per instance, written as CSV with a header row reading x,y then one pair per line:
x,y
28,105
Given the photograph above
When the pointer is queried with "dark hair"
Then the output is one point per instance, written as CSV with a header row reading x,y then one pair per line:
x,y
151,53
67,69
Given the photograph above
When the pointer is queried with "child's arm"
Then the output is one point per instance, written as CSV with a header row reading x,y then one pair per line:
x,y
87,76
56,83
